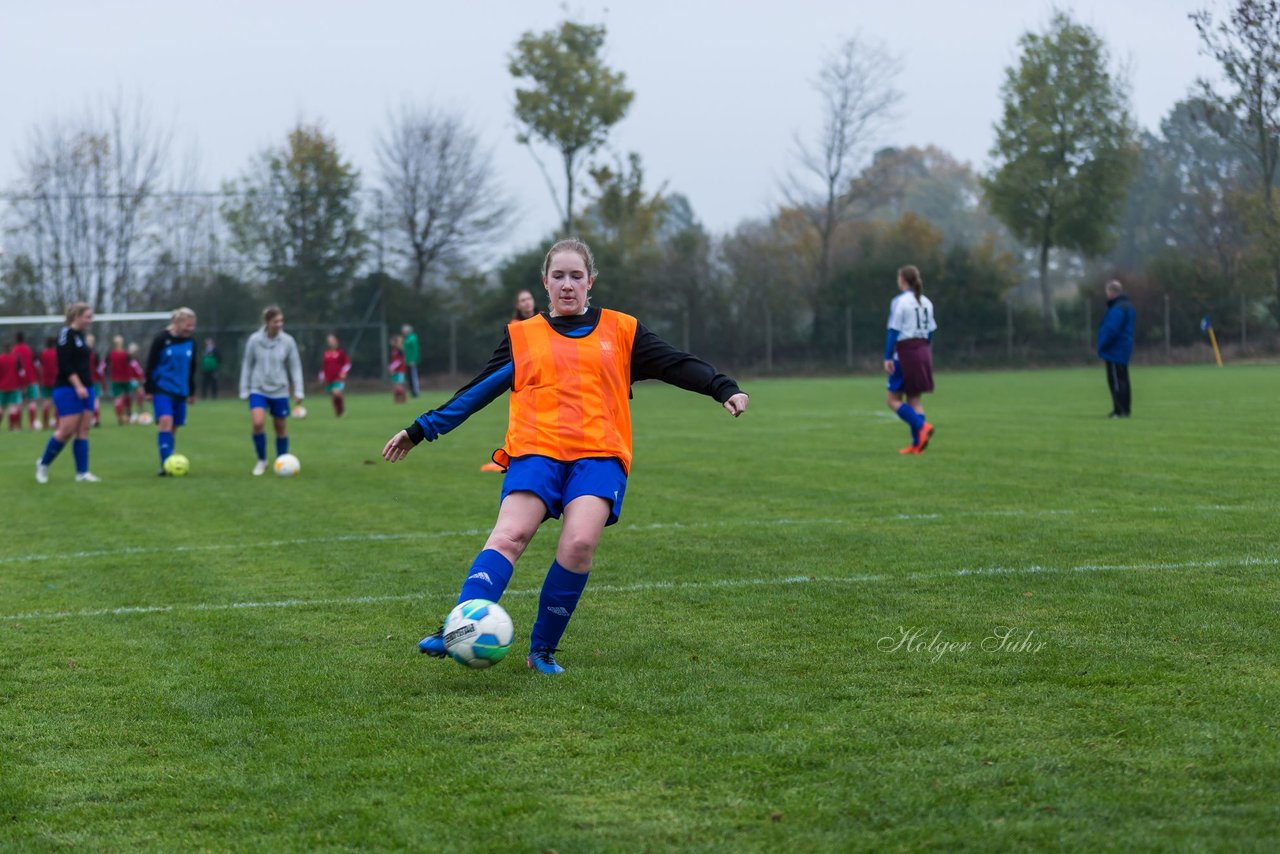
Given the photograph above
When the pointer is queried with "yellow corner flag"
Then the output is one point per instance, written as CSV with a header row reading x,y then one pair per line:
x,y
1206,326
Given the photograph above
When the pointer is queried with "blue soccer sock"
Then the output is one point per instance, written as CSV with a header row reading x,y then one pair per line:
x,y
165,440
51,451
487,578
260,445
282,445
80,447
914,420
560,594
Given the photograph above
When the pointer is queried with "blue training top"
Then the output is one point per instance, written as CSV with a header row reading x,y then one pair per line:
x,y
171,365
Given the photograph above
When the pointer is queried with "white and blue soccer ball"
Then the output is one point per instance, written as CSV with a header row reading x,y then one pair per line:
x,y
478,633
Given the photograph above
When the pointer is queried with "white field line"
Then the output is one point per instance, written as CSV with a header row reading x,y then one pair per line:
x,y
127,551
648,586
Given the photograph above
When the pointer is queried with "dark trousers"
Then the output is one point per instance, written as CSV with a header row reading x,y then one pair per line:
x,y
209,386
1118,382
413,380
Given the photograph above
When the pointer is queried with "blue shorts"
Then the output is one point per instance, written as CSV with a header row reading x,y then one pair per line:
x,y
895,378
278,406
67,402
557,483
167,404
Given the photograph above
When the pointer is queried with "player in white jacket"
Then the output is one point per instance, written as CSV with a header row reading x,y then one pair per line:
x,y
271,366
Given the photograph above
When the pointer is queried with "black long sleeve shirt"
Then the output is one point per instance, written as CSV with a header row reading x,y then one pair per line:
x,y
651,359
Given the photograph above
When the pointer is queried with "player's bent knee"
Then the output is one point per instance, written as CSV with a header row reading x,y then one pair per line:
x,y
508,540
577,552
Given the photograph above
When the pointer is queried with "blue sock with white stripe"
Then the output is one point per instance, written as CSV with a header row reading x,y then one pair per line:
x,y
914,420
487,578
51,451
80,447
560,594
164,439
260,445
282,445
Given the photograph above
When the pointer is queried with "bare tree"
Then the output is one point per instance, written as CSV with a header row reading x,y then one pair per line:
x,y
857,87
1245,107
441,189
187,248
84,202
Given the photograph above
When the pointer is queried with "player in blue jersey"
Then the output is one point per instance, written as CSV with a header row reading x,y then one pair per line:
x,y
171,377
907,358
73,396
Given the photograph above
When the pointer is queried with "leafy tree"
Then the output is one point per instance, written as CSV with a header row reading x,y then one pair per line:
x,y
295,212
769,281
1247,47
868,280
1190,213
621,225
572,102
20,287
1208,216
687,301
1142,230
971,288
932,184
1064,146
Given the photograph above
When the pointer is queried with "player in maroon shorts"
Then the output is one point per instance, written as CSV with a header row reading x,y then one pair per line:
x,y
48,379
333,373
120,375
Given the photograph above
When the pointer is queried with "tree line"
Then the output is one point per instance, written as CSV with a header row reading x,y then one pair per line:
x,y
1075,194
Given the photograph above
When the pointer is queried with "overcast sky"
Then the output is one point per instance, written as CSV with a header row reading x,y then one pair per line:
x,y
721,87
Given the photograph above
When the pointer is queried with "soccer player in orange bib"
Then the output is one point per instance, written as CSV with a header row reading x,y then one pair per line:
x,y
568,445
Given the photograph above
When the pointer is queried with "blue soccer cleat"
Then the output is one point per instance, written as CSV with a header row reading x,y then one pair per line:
x,y
544,661
433,644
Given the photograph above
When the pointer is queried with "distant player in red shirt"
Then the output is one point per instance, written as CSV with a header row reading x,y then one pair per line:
x,y
120,376
30,380
10,387
48,379
337,364
396,366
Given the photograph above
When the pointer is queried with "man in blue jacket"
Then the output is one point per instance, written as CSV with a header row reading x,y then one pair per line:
x,y
1115,346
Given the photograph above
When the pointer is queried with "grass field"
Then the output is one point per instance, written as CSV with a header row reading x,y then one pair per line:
x,y
229,663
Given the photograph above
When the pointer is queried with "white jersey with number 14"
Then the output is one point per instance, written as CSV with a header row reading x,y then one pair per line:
x,y
911,318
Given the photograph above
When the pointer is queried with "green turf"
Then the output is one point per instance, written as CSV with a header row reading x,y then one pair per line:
x,y
729,684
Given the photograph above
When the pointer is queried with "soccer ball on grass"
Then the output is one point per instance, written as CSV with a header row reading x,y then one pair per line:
x,y
176,465
287,465
299,411
144,418
478,633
